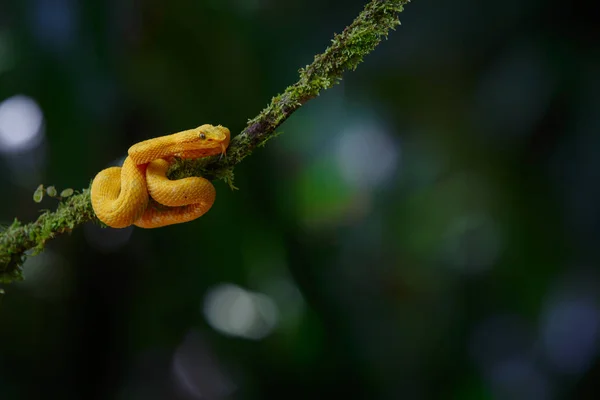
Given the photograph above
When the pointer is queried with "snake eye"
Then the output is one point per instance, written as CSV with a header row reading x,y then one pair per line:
x,y
202,136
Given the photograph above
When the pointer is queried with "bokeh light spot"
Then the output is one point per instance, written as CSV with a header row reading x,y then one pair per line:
x,y
570,335
54,23
366,155
21,122
472,243
234,311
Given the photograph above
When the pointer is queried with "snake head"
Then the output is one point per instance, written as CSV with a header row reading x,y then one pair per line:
x,y
203,141
212,138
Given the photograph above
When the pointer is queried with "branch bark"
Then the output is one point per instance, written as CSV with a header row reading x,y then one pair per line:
x,y
346,51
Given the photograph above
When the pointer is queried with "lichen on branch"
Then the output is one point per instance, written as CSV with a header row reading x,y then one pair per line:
x,y
347,50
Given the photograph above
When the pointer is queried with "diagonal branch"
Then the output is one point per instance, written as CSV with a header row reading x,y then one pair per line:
x,y
346,51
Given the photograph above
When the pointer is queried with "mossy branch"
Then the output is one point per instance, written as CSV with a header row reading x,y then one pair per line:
x,y
346,51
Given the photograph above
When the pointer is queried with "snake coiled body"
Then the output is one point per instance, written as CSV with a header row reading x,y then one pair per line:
x,y
139,192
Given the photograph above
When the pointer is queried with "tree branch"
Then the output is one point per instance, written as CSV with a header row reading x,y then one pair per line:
x,y
345,53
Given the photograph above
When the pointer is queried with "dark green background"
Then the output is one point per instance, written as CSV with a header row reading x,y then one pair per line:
x,y
468,271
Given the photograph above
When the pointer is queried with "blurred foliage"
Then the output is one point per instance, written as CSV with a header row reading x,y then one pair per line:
x,y
428,229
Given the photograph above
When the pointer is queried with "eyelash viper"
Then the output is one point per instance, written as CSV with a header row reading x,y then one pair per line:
x,y
121,195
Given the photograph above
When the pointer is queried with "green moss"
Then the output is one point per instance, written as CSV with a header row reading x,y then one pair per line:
x,y
66,192
19,241
51,191
38,195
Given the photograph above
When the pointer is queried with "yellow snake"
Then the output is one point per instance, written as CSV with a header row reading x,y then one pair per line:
x,y
121,195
